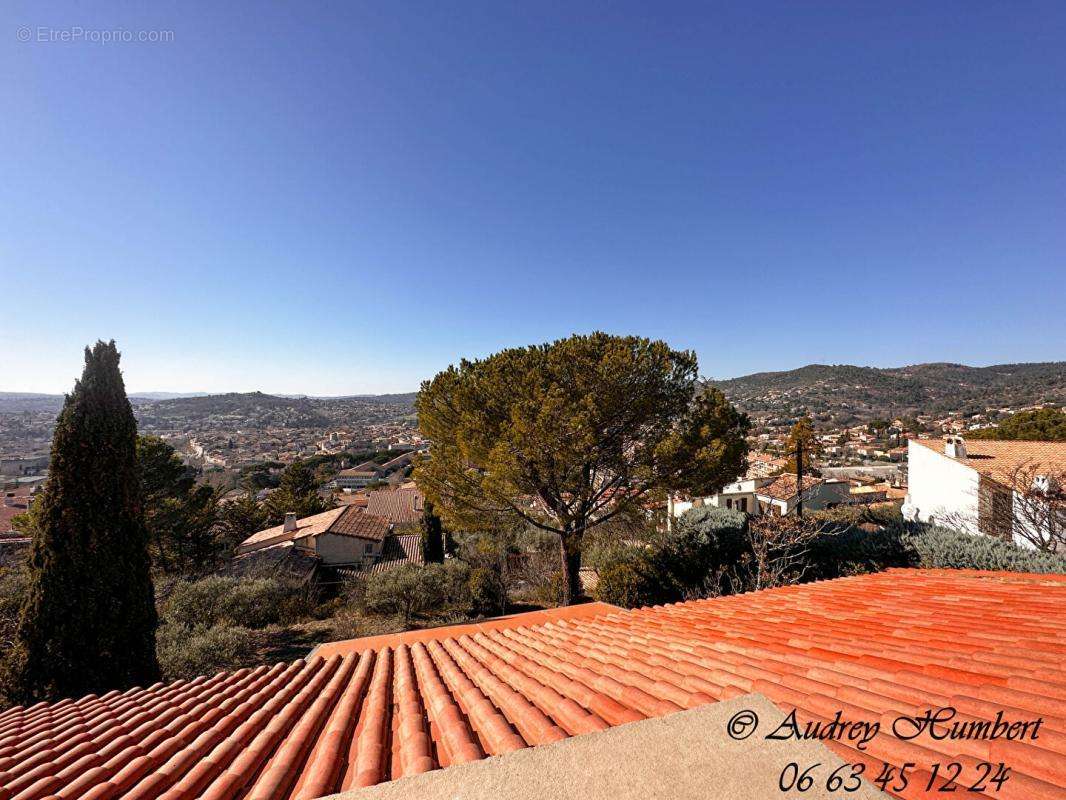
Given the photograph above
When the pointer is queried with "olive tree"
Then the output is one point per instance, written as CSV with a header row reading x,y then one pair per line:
x,y
567,436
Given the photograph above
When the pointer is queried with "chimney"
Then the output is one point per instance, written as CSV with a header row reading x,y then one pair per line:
x,y
1045,484
955,447
290,522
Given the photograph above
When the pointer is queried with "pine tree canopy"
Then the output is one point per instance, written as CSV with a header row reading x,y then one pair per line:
x,y
565,436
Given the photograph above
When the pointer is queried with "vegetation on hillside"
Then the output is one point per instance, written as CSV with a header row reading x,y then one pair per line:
x,y
848,394
297,493
1044,425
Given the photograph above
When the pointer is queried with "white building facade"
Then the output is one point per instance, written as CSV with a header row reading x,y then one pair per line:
x,y
985,487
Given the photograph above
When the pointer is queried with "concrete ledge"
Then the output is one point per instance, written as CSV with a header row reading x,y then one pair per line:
x,y
682,756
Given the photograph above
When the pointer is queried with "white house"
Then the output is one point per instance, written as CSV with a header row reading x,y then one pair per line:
x,y
358,476
775,495
998,488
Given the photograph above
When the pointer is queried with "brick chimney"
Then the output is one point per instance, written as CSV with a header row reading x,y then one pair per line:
x,y
290,522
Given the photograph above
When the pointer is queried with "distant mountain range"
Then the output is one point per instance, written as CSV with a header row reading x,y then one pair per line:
x,y
839,393
173,403
844,393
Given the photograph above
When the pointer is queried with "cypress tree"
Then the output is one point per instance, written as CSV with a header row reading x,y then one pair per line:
x,y
88,621
432,535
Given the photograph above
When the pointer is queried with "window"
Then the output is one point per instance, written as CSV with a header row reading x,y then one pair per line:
x,y
367,548
728,503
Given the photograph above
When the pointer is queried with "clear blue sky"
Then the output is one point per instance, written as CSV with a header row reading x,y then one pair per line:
x,y
336,197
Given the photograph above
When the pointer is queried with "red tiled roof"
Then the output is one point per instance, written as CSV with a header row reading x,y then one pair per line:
x,y
307,526
12,503
398,506
783,487
872,647
353,522
404,548
1001,459
345,520
524,620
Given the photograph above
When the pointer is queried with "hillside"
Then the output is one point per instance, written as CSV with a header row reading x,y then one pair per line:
x,y
267,411
846,394
164,404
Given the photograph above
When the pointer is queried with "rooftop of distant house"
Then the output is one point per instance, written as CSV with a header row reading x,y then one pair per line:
x,y
401,506
362,712
14,501
346,520
784,487
361,470
1002,459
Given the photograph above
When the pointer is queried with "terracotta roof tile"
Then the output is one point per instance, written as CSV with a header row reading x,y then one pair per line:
x,y
365,711
308,526
354,522
1001,459
399,549
783,487
398,506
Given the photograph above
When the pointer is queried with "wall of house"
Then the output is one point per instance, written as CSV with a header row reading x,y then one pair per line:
x,y
356,482
734,501
335,549
942,489
826,494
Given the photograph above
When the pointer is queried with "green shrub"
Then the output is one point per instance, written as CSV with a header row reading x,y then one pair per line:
x,y
408,590
941,548
486,592
405,590
630,581
549,591
246,602
879,514
454,581
856,551
260,602
202,651
14,583
703,541
195,603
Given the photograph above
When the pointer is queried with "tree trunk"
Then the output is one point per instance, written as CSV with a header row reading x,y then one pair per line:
x,y
570,566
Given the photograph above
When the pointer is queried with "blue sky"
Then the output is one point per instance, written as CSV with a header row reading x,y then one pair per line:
x,y
336,198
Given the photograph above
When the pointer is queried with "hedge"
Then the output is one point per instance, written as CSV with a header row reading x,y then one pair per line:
x,y
942,548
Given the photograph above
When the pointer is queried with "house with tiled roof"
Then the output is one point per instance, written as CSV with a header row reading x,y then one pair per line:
x,y
596,689
15,501
358,476
777,495
1006,489
397,550
341,536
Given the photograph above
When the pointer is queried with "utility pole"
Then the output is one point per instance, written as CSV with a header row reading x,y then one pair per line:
x,y
799,478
